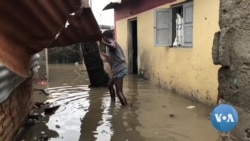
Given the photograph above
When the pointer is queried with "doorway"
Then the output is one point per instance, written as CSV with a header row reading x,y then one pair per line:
x,y
133,46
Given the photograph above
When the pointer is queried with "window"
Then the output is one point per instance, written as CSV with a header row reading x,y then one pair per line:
x,y
174,26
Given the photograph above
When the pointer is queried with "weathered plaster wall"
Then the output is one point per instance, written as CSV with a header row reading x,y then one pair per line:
x,y
231,50
233,53
187,71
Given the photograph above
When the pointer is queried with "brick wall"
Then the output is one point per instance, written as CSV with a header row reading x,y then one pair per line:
x,y
14,110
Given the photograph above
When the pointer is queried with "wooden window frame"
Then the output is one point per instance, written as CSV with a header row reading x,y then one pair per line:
x,y
170,39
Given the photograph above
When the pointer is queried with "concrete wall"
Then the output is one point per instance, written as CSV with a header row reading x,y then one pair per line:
x,y
14,110
187,71
231,50
43,73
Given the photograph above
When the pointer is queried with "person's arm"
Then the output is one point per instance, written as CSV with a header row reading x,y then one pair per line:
x,y
105,54
105,57
110,45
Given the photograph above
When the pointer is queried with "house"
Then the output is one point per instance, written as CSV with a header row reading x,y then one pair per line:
x,y
169,42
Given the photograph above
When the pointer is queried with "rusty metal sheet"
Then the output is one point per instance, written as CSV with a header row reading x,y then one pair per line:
x,y
10,80
111,5
28,26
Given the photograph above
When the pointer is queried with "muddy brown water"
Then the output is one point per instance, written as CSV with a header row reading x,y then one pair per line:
x,y
87,114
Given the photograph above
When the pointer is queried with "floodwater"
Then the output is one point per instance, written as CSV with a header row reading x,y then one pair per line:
x,y
87,114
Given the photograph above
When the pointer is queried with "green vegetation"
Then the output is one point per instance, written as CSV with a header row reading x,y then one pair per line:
x,y
65,55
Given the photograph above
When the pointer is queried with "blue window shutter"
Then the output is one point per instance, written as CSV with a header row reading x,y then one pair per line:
x,y
163,29
188,24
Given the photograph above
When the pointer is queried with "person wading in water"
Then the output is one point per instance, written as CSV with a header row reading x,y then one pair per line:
x,y
118,66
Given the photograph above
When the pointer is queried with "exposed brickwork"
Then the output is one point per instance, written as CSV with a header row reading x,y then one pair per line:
x,y
14,110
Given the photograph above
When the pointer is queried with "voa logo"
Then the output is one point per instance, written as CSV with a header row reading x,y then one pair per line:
x,y
224,118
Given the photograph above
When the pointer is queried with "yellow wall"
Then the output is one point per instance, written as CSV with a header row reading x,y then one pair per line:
x,y
188,71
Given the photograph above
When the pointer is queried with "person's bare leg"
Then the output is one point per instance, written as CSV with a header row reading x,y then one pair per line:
x,y
119,90
111,89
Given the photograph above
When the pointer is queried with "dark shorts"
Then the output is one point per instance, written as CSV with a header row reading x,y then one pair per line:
x,y
120,74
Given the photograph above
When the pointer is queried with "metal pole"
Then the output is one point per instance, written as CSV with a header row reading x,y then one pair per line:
x,y
80,53
46,64
90,3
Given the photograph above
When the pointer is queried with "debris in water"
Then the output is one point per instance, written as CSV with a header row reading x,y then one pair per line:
x,y
33,119
190,107
42,90
39,104
44,138
30,122
42,83
50,109
35,116
171,115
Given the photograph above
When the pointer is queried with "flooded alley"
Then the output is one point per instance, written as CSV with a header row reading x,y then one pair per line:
x,y
87,114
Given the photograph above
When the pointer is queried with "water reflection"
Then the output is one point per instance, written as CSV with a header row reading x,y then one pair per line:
x,y
34,133
125,120
74,105
93,117
108,121
88,115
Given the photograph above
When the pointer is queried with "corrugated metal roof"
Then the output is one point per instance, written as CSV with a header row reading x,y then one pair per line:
x,y
10,81
28,26
111,5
